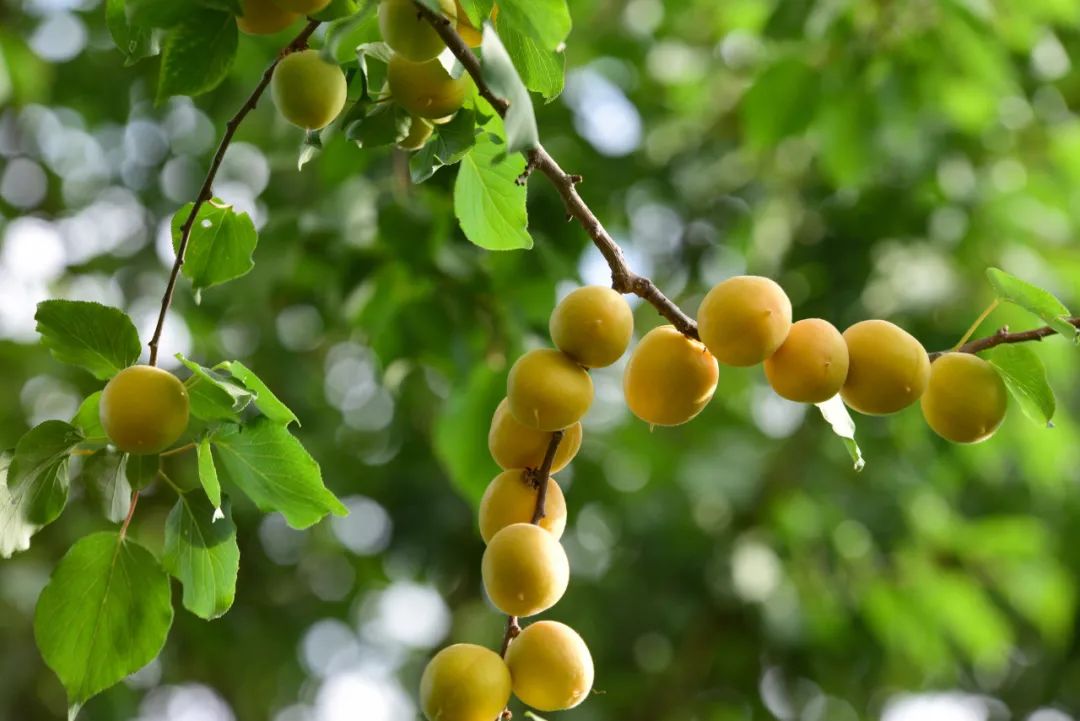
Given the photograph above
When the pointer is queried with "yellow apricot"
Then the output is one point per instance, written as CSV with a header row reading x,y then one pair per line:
x,y
525,570
887,368
550,666
264,17
547,390
515,445
419,132
144,409
472,36
406,32
593,325
308,91
304,7
965,400
811,364
425,89
669,378
464,682
511,498
743,320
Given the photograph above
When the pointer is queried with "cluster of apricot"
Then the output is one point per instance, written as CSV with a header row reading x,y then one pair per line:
x,y
525,569
875,366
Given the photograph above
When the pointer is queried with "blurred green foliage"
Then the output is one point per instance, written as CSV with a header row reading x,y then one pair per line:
x,y
873,157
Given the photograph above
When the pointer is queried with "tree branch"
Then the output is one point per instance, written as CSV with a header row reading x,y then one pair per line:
x,y
206,191
1003,337
623,279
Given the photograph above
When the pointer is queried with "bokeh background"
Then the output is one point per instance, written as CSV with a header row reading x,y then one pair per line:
x,y
874,157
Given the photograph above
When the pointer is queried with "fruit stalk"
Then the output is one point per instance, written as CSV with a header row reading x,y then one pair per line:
x,y
206,191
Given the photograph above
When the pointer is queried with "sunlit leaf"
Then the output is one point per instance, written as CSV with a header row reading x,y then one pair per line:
x,y
93,336
201,552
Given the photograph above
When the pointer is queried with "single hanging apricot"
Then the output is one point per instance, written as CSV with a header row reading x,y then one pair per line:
x,y
670,378
144,409
743,320
888,369
811,364
965,399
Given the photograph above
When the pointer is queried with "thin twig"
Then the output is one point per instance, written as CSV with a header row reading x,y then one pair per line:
x,y
206,191
978,321
623,279
1003,337
130,513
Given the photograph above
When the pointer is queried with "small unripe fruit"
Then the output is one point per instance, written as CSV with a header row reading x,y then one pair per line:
x,y
550,666
407,33
525,570
515,445
669,378
464,682
811,365
425,89
965,400
264,17
593,325
144,409
419,132
547,390
743,320
308,91
511,498
304,7
887,368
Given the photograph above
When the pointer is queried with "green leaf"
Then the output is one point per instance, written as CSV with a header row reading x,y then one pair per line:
x,y
213,396
134,41
201,553
501,76
476,10
271,466
461,430
384,124
221,244
1033,298
101,339
448,144
140,470
197,54
488,201
88,418
106,473
104,614
310,148
158,14
1025,377
546,21
338,9
541,70
15,530
779,103
836,415
38,475
208,476
265,400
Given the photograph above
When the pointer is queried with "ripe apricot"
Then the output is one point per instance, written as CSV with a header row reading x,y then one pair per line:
x,y
515,445
811,364
547,390
593,325
464,682
419,132
525,570
743,320
264,17
308,91
406,32
887,368
304,7
425,89
511,498
144,409
965,400
669,378
550,666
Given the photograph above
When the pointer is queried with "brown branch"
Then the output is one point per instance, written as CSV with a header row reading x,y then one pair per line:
x,y
623,279
206,191
1003,337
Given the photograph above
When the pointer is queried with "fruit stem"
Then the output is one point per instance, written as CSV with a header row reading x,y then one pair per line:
x,y
541,475
206,193
978,321
130,513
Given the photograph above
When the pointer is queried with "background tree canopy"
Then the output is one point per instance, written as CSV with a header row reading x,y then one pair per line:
x,y
873,158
